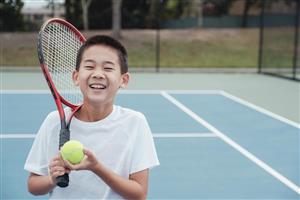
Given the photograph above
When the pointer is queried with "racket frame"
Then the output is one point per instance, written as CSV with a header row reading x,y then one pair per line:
x,y
64,134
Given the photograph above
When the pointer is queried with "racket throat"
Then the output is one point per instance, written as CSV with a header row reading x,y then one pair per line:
x,y
64,136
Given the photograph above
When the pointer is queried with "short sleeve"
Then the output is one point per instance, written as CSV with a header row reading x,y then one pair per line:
x,y
144,154
36,161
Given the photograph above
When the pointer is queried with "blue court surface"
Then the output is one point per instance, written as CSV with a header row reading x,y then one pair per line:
x,y
211,144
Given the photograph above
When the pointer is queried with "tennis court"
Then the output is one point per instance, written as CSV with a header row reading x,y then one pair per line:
x,y
220,137
222,129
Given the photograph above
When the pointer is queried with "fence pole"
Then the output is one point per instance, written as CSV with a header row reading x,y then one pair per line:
x,y
261,37
158,37
295,58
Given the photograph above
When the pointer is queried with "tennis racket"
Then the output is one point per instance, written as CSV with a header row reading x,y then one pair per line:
x,y
58,44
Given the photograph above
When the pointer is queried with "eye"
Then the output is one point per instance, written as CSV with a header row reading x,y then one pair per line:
x,y
89,67
108,67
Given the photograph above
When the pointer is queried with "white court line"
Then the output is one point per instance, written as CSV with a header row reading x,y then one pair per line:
x,y
193,91
233,144
48,92
155,135
259,109
183,135
138,91
25,92
127,91
170,91
16,136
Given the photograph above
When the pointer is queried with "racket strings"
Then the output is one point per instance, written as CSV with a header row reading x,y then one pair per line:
x,y
60,46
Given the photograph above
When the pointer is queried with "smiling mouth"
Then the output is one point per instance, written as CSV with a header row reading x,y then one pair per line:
x,y
97,86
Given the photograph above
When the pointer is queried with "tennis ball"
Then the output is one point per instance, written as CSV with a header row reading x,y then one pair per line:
x,y
72,151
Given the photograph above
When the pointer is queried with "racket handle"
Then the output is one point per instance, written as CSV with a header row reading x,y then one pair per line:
x,y
62,181
64,136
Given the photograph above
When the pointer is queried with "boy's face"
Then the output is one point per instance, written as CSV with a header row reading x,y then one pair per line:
x,y
99,76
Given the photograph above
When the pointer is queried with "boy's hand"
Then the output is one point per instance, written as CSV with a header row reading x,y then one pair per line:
x,y
89,162
57,168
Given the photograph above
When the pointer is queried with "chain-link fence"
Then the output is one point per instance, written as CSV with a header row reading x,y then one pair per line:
x,y
279,44
182,33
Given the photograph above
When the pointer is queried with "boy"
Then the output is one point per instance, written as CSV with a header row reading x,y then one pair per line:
x,y
119,147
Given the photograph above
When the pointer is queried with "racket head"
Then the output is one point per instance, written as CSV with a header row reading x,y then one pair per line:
x,y
58,44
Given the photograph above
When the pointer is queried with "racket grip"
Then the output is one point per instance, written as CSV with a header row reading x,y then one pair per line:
x,y
64,136
62,181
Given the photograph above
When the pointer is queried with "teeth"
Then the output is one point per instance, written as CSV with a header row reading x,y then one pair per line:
x,y
97,86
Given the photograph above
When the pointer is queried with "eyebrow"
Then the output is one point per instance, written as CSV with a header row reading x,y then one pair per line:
x,y
105,62
109,62
89,60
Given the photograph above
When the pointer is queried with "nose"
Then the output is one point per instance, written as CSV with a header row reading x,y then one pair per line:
x,y
98,73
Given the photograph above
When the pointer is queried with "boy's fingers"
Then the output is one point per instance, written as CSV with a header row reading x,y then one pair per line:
x,y
72,166
57,169
58,173
57,157
69,165
55,163
87,152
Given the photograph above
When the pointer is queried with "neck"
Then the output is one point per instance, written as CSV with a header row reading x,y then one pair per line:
x,y
92,113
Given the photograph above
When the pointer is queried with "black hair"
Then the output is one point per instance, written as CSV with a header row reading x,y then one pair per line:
x,y
106,41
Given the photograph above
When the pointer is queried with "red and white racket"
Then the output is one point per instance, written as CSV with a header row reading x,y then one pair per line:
x,y
58,44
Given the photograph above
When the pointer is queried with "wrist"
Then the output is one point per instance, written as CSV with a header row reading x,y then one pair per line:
x,y
52,182
96,168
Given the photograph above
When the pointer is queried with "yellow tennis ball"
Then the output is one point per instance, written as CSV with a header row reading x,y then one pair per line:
x,y
72,151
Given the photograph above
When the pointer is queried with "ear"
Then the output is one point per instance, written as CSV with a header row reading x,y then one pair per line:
x,y
75,77
125,80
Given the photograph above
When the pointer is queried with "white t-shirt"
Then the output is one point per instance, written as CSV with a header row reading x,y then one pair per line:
x,y
122,142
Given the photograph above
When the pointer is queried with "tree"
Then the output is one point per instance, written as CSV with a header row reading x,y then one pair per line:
x,y
199,12
73,12
10,15
173,9
194,8
247,6
258,3
85,13
116,18
216,7
135,14
151,18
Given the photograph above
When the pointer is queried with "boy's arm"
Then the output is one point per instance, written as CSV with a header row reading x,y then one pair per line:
x,y
39,185
136,187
